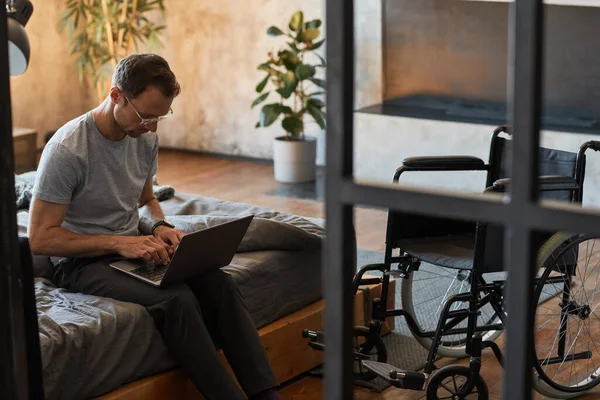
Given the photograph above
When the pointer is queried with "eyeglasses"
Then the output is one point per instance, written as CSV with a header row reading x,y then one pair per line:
x,y
149,121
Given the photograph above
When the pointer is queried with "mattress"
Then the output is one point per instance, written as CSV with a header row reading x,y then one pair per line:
x,y
92,345
275,283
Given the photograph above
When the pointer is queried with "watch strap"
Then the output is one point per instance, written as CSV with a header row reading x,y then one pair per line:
x,y
162,222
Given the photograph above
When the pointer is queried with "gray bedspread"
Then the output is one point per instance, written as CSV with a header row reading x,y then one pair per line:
x,y
278,264
92,345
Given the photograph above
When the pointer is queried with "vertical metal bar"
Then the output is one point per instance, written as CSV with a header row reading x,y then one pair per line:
x,y
338,257
14,369
525,95
525,74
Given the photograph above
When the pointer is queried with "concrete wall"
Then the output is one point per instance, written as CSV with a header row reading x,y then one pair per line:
x,y
214,48
48,94
460,48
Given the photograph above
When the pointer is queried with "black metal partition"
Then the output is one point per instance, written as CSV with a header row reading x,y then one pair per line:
x,y
522,215
14,363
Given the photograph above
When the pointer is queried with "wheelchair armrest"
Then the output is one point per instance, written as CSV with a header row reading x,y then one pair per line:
x,y
546,183
443,163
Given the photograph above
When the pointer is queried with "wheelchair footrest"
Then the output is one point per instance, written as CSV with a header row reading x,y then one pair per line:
x,y
399,378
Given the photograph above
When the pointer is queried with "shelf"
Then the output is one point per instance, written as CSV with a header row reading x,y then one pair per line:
x,y
444,108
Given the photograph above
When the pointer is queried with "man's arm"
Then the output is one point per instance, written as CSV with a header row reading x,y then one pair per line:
x,y
47,237
150,211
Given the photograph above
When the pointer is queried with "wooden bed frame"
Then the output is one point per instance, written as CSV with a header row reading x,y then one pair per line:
x,y
288,351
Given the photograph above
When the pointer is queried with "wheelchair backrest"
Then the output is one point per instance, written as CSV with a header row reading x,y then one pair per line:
x,y
551,162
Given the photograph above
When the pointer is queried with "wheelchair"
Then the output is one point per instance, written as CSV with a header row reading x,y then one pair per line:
x,y
452,280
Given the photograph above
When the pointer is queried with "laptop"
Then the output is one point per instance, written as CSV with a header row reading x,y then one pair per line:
x,y
198,252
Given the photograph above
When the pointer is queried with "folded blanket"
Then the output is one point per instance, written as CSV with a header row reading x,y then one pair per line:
x,y
24,190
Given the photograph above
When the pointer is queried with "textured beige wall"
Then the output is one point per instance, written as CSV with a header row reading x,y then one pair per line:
x,y
48,94
214,48
368,76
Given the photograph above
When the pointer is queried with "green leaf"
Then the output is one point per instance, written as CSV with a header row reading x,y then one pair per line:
x,y
315,94
286,91
269,114
268,67
318,44
296,22
293,125
294,48
274,31
315,23
257,125
289,59
323,64
304,71
318,82
316,102
289,84
264,66
317,114
285,109
262,84
311,34
288,78
260,99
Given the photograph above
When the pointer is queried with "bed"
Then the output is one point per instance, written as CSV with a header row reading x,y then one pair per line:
x,y
92,346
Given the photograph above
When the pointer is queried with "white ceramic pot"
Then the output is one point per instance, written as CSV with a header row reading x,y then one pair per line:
x,y
294,160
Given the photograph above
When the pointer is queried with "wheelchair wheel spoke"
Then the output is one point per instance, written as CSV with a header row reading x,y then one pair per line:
x,y
565,336
425,293
448,390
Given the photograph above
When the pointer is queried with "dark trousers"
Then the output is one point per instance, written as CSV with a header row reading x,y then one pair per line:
x,y
195,319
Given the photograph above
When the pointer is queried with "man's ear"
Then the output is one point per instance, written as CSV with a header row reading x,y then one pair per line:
x,y
115,95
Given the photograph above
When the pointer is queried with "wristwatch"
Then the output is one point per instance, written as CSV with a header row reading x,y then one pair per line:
x,y
162,222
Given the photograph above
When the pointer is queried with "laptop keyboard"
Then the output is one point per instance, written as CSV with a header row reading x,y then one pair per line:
x,y
151,271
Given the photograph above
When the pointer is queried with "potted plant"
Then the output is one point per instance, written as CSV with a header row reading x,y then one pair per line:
x,y
101,32
291,77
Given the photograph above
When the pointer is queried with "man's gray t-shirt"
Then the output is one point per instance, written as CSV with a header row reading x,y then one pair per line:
x,y
100,180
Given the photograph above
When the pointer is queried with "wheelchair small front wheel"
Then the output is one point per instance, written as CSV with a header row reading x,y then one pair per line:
x,y
370,346
450,383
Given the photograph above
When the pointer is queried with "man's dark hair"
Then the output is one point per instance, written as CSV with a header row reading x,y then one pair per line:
x,y
135,72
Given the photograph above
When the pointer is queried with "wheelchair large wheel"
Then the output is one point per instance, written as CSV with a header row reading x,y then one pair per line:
x,y
567,321
424,293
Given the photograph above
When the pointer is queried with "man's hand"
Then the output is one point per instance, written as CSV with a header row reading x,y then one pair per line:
x,y
169,237
147,247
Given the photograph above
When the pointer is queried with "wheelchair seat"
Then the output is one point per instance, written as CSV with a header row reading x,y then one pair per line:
x,y
451,251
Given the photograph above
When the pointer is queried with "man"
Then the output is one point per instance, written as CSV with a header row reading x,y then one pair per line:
x,y
93,175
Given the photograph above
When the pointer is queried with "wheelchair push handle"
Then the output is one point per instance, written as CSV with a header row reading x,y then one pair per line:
x,y
593,144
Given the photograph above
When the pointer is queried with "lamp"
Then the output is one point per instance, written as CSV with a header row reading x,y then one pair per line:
x,y
18,13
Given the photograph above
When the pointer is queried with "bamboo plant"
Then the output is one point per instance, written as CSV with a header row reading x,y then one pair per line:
x,y
291,76
101,32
